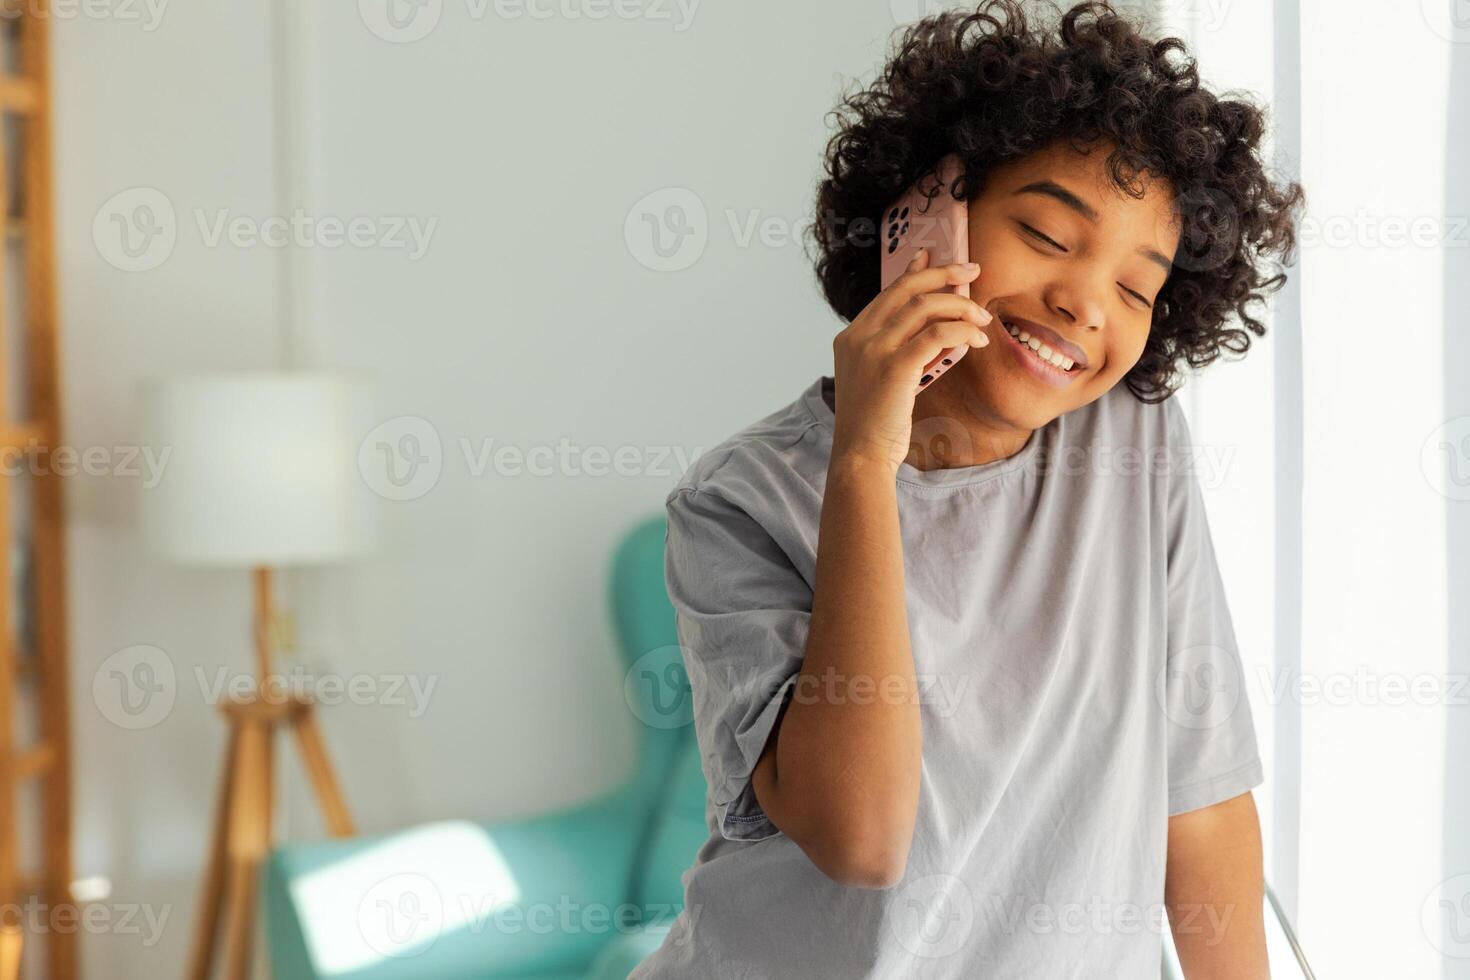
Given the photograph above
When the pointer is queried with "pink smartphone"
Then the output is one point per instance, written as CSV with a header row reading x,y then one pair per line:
x,y
942,225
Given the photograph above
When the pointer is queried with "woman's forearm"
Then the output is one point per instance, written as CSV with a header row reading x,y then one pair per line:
x,y
1214,891
842,775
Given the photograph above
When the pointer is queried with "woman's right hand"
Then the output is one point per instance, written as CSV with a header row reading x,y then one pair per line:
x,y
880,356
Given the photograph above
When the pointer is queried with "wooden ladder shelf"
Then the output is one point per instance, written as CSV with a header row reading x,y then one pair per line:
x,y
34,728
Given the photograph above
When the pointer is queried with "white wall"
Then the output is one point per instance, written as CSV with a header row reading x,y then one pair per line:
x,y
1375,848
178,109
528,321
1233,412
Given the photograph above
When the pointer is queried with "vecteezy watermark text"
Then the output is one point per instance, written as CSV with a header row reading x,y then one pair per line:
x,y
402,232
406,21
33,459
94,918
148,12
412,691
137,687
404,457
137,229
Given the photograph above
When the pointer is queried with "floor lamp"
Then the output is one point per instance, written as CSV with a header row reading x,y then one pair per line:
x,y
260,474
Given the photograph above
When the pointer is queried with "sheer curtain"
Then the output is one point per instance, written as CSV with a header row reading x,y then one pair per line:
x,y
1336,462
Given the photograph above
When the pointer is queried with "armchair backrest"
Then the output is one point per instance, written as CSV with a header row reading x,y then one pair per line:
x,y
667,773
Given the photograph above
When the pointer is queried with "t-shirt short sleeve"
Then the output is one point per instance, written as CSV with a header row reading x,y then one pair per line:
x,y
1212,748
743,613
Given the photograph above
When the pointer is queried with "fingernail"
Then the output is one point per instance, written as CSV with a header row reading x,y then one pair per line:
x,y
972,266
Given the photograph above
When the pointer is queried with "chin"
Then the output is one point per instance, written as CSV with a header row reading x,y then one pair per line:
x,y
1019,408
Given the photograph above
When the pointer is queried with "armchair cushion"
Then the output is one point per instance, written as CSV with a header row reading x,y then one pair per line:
x,y
455,899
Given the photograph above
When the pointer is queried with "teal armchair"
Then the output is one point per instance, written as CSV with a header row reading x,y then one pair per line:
x,y
585,892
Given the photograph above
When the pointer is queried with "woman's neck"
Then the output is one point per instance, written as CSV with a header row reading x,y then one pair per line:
x,y
951,428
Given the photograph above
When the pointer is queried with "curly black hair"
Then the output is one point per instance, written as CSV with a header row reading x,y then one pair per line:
x,y
993,85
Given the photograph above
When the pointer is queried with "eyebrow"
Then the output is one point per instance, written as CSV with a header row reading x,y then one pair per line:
x,y
1052,189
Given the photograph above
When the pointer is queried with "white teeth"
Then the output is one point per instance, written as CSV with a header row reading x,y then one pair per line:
x,y
1055,358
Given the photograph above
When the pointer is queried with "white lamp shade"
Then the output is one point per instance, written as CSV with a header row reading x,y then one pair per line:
x,y
261,469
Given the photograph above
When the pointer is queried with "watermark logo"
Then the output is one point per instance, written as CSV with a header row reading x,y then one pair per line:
x,y
932,916
1450,19
401,21
667,230
1445,458
657,689
402,458
1445,916
939,440
401,916
135,230
908,11
135,688
1209,227
1201,15
1200,687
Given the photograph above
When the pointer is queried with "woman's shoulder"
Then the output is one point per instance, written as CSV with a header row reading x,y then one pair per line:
x,y
783,448
1119,418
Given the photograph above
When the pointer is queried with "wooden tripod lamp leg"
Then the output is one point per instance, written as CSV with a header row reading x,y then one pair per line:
x,y
201,958
11,939
319,771
249,841
242,834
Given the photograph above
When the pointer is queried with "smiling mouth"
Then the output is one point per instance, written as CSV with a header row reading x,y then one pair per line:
x,y
1042,352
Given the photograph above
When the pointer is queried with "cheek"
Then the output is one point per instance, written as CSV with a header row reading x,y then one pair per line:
x,y
1008,266
1125,349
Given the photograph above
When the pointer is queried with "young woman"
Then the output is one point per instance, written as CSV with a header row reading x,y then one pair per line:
x,y
965,684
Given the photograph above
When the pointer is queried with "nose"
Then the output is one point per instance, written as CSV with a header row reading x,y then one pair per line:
x,y
1076,299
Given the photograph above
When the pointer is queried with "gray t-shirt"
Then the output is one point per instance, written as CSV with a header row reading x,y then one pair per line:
x,y
1078,683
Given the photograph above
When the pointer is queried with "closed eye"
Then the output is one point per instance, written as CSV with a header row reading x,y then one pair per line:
x,y
1039,236
1056,244
1136,294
